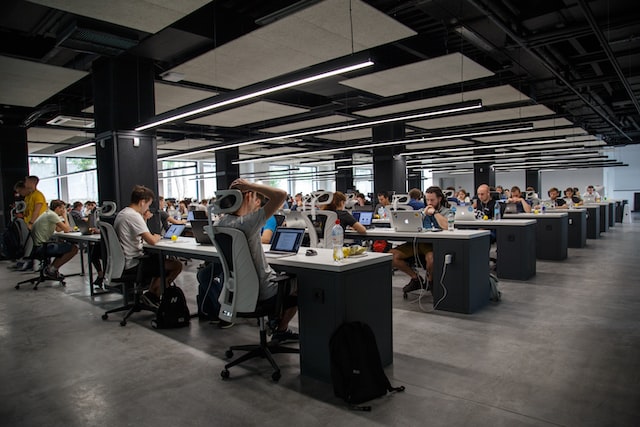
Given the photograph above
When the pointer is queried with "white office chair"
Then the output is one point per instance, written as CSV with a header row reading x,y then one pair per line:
x,y
320,230
115,278
239,296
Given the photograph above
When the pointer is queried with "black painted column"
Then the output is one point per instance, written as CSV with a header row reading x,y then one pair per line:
x,y
414,180
123,97
389,169
532,179
14,166
226,172
483,173
344,180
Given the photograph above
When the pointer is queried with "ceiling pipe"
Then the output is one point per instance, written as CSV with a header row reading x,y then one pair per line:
x,y
504,27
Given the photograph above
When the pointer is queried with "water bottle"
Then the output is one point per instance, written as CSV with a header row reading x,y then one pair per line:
x,y
451,219
496,211
381,212
337,241
543,208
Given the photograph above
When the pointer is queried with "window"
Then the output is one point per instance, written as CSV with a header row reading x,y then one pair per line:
x,y
303,185
178,180
209,184
362,180
46,167
279,177
81,186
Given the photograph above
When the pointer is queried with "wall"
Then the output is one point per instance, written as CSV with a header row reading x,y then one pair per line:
x,y
624,181
580,178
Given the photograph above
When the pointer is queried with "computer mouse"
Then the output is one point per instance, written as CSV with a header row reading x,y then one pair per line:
x,y
311,252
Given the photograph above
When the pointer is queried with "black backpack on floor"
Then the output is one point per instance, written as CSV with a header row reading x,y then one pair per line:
x,y
356,368
173,311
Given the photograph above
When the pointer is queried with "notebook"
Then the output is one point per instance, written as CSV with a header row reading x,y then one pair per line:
x,y
200,234
174,230
407,221
363,217
285,242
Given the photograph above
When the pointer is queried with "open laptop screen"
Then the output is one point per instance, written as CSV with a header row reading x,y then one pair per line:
x,y
174,230
287,239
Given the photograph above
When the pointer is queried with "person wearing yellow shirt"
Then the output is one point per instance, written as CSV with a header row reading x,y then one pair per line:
x,y
33,198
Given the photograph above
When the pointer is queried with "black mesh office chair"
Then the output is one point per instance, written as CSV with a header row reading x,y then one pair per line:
x,y
239,297
115,278
38,254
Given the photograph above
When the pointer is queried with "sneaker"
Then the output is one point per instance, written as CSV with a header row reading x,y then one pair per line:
x,y
150,300
223,324
53,275
413,285
97,284
26,266
284,336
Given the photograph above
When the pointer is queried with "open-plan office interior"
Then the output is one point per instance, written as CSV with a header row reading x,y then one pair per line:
x,y
339,95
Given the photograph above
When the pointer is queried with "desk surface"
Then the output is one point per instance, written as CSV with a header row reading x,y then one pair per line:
x,y
322,261
388,233
496,223
78,236
536,216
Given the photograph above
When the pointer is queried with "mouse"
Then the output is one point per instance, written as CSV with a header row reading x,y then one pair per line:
x,y
311,252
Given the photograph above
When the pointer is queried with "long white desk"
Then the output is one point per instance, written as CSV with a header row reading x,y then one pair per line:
x,y
466,277
515,245
329,293
88,240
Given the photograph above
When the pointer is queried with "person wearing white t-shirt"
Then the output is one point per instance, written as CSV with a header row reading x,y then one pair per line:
x,y
131,228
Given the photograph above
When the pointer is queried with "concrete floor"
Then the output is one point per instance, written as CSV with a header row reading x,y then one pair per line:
x,y
560,349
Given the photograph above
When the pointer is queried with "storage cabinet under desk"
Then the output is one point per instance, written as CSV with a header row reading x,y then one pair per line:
x,y
593,221
552,232
577,237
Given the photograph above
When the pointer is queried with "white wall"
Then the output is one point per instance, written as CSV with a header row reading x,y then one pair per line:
x,y
580,178
623,182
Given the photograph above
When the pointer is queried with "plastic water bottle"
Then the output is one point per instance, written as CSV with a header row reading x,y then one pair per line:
x,y
496,212
451,219
337,241
543,208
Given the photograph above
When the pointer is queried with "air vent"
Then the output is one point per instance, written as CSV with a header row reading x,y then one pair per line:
x,y
73,122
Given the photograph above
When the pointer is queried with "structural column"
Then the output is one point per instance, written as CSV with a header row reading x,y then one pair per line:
x,y
123,91
226,171
344,180
532,179
389,169
14,166
483,173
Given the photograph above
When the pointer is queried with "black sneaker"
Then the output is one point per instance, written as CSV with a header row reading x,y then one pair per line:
x,y
413,285
97,284
53,275
150,300
285,336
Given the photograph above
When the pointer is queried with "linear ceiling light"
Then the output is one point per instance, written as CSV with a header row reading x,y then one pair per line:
x,y
516,153
482,147
74,148
522,128
228,99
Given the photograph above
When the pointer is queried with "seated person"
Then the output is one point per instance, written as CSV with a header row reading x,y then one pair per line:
x,y
52,220
570,197
165,218
591,195
250,218
76,212
484,203
131,228
298,202
383,202
516,198
463,197
435,216
554,196
346,219
269,229
415,201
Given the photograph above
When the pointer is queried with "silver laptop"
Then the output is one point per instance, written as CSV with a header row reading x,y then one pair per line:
x,y
407,221
174,230
510,208
285,242
465,213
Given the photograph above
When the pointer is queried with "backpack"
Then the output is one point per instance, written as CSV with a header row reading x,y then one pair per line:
x,y
11,245
494,292
173,311
356,368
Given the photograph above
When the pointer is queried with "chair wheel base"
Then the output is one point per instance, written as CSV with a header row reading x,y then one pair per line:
x,y
228,354
123,323
224,374
105,316
276,376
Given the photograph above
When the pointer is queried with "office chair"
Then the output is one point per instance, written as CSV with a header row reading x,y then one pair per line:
x,y
129,285
321,230
38,254
239,297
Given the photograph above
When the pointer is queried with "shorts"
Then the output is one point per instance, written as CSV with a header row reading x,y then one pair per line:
x,y
269,304
149,267
56,249
406,250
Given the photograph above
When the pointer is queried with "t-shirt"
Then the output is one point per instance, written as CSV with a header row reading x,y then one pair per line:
x,y
346,219
31,200
486,208
271,224
129,226
44,226
416,204
430,221
250,225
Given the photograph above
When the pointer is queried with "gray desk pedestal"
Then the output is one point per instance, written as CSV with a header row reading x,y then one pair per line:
x,y
577,228
593,222
612,214
604,218
327,299
552,231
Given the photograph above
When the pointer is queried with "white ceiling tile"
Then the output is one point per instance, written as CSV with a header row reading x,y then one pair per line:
x,y
186,144
145,15
348,135
322,32
37,134
169,97
252,113
440,71
27,83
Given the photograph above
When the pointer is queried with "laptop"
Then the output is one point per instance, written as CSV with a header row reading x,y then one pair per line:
x,y
285,242
510,208
465,213
410,221
200,234
174,230
83,227
191,215
364,217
